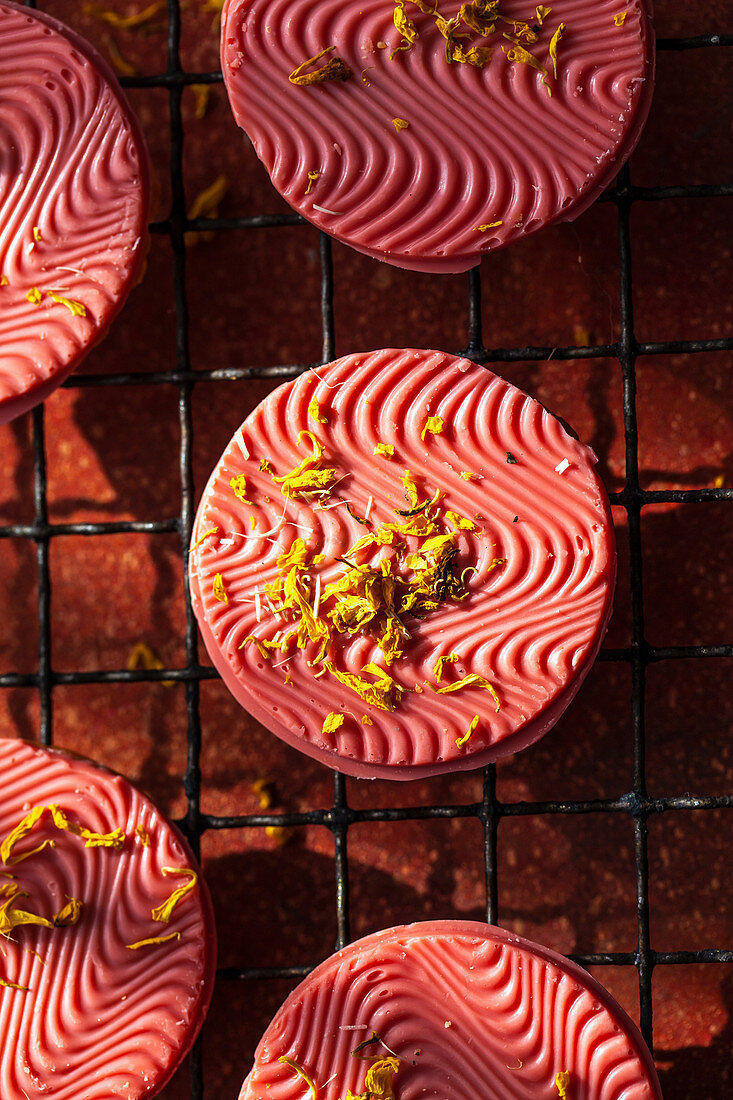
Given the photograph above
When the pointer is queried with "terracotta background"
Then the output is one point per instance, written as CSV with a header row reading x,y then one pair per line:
x,y
253,297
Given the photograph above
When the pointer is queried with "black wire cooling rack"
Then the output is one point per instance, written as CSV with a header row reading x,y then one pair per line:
x,y
489,811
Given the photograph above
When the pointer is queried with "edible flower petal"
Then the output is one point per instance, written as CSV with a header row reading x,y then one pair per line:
x,y
301,1073
332,722
334,69
164,911
471,727
434,425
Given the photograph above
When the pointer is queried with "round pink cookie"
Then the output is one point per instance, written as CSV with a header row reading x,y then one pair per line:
x,y
74,198
530,554
468,1010
488,154
82,1013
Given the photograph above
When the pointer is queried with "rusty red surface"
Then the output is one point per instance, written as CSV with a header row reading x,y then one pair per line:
x,y
567,881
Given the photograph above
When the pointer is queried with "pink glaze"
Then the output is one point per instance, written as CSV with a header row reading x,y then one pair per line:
x,y
531,627
75,168
100,1020
471,1012
483,145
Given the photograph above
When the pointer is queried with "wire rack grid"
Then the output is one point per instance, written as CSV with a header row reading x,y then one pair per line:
x,y
636,802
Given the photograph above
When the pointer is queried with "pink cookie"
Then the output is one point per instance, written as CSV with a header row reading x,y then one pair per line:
x,y
433,595
74,198
460,1009
428,163
88,1008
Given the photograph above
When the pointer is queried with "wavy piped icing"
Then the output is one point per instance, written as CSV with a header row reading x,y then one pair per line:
x,y
74,198
469,1010
531,627
99,1019
483,145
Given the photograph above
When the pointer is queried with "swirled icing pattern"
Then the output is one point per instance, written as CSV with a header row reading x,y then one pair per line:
x,y
74,197
532,627
470,1011
99,1019
483,145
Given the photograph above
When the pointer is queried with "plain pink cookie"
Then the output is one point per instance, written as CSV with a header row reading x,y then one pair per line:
x,y
469,1010
521,588
82,1013
74,199
482,156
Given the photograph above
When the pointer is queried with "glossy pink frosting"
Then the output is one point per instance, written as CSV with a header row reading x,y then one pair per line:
x,y
531,627
75,168
100,1020
470,1010
483,145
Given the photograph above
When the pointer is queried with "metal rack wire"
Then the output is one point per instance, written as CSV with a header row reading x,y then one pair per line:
x,y
340,817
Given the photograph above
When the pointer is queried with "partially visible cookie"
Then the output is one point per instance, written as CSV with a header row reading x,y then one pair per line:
x,y
452,1009
74,203
426,134
108,945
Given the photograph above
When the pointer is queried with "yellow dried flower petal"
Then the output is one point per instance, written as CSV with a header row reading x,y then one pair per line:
x,y
386,450
541,11
383,693
78,309
335,69
261,788
143,656
332,722
620,18
562,1084
200,539
460,521
164,911
554,42
480,16
37,237
301,1073
314,409
153,941
298,555
127,22
405,26
472,680
16,918
434,425
238,485
218,590
379,1079
400,124
482,229
13,985
70,913
281,834
114,839
471,727
34,296
468,476
439,665
120,63
478,56
495,562
521,56
4,280
143,836
366,720
206,205
312,177
202,94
